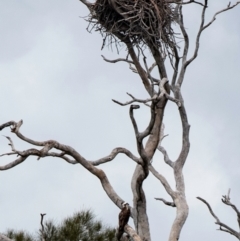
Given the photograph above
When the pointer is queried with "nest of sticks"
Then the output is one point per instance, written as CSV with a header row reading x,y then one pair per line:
x,y
144,22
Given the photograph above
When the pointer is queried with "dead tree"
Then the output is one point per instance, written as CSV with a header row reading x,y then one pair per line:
x,y
139,25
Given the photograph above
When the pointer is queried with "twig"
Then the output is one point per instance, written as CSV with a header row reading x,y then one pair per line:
x,y
117,60
133,100
221,11
226,200
11,144
172,204
134,70
197,43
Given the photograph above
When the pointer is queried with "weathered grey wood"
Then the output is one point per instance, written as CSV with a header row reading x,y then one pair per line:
x,y
4,238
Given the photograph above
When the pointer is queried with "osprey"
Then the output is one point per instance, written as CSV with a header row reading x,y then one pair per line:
x,y
123,218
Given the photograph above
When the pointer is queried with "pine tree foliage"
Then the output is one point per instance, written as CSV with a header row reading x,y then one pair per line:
x,y
19,235
81,226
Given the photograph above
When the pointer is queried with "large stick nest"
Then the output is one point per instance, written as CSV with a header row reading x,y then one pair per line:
x,y
144,22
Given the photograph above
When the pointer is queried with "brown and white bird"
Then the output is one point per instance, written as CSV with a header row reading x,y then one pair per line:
x,y
123,218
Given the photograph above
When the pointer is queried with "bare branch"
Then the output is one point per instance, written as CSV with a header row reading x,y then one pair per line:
x,y
171,204
42,231
140,136
117,60
191,1
11,143
186,46
133,100
226,227
65,150
202,27
221,11
226,200
163,180
10,123
148,73
151,122
185,132
163,92
176,65
166,157
159,61
197,44
132,107
224,230
113,154
152,67
8,154
137,64
13,164
209,208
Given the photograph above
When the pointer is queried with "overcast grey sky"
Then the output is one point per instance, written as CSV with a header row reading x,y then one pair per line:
x,y
53,77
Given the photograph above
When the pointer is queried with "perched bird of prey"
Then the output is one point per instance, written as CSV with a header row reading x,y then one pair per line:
x,y
123,218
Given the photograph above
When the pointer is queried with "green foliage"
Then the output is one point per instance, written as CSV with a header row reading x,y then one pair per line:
x,y
19,235
81,226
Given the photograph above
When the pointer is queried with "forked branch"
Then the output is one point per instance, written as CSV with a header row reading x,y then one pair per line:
x,y
223,227
134,100
197,43
221,11
157,97
65,150
203,27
